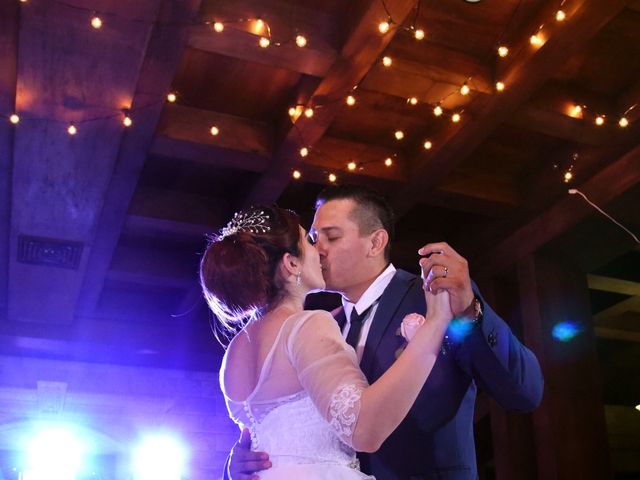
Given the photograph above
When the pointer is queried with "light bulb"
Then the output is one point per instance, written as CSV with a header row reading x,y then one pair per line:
x,y
535,40
568,176
259,24
418,34
503,51
264,42
301,41
14,119
96,22
308,112
386,61
297,174
351,100
214,130
388,161
126,121
560,15
428,145
599,120
399,134
72,130
171,97
332,178
412,101
383,27
292,111
304,151
352,166
218,27
455,118
623,122
499,86
437,110
464,90
576,111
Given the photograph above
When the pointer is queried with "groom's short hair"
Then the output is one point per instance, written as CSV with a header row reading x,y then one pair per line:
x,y
372,210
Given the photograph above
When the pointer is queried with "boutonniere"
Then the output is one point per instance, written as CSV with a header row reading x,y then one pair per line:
x,y
408,329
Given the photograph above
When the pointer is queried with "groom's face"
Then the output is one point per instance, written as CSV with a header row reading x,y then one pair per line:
x,y
342,247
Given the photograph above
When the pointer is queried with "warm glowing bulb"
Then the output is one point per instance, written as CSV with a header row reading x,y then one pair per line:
x,y
576,111
264,42
623,122
437,110
308,112
126,121
259,24
499,86
560,15
399,134
96,22
388,162
304,151
23,1
72,130
171,97
386,61
332,178
214,130
455,118
383,27
503,51
567,176
292,111
14,119
535,40
428,145
638,407
297,174
418,34
301,41
464,90
218,27
351,100
599,120
352,166
412,100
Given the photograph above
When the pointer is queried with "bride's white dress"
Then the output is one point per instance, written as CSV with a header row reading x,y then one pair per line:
x,y
305,405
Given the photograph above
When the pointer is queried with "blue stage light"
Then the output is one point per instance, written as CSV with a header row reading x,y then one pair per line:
x,y
160,457
566,331
55,453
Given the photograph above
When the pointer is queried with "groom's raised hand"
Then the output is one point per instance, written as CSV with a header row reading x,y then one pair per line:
x,y
243,463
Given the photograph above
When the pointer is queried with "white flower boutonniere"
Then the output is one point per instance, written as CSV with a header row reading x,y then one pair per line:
x,y
408,329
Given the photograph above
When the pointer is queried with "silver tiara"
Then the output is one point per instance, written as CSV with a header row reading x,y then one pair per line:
x,y
253,221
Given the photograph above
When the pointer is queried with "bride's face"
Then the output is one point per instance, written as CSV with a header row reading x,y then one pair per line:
x,y
311,268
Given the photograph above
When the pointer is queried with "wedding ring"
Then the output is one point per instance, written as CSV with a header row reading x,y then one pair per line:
x,y
446,272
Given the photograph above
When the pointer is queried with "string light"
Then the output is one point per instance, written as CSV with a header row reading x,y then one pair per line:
x,y
218,27
399,134
301,41
351,100
171,97
388,161
14,118
623,122
418,34
383,27
535,40
304,151
464,90
560,15
332,177
214,131
264,42
455,118
259,24
568,176
437,110
296,174
576,111
96,22
352,166
72,130
599,120
412,101
499,86
308,112
386,61
503,51
428,145
126,121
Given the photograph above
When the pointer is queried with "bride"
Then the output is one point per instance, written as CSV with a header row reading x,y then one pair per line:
x,y
288,375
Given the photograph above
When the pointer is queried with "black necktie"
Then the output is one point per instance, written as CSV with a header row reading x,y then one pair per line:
x,y
355,325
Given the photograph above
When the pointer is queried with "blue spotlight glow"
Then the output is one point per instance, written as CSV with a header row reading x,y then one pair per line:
x,y
566,331
459,329
55,454
160,457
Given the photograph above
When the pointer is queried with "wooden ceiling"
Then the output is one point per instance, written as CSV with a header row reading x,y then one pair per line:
x,y
103,229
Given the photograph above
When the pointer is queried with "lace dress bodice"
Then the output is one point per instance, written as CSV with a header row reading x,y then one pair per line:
x,y
304,407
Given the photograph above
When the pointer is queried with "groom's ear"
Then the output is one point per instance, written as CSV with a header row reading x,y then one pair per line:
x,y
379,241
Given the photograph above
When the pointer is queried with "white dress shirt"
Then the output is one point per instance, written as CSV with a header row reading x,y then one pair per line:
x,y
371,295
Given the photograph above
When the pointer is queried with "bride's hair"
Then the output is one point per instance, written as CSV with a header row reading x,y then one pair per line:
x,y
238,271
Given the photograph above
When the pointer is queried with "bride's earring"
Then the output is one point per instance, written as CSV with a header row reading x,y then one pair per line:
x,y
298,280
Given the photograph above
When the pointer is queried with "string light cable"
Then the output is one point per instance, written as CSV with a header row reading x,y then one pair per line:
x,y
573,191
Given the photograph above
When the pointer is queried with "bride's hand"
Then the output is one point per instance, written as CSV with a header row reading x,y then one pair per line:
x,y
438,305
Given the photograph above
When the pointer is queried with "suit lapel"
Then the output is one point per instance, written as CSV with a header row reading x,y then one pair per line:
x,y
387,308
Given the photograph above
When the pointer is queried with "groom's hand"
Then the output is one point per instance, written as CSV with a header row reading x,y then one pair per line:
x,y
446,269
243,463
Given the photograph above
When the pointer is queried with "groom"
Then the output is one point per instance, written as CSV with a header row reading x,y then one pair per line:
x,y
352,228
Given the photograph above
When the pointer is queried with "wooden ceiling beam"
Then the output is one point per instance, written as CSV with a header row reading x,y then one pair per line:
x,y
156,73
360,52
629,305
617,334
526,73
614,285
9,21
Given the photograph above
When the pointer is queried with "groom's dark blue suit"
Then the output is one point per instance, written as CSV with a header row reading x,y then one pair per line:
x,y
435,441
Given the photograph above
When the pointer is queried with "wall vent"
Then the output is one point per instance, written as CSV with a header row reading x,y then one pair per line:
x,y
49,251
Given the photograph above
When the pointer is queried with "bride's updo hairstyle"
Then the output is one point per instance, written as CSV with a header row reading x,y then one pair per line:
x,y
238,271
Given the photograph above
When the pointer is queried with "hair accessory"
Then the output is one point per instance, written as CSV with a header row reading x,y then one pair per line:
x,y
252,221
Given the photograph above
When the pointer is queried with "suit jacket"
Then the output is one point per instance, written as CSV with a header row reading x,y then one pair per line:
x,y
435,440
